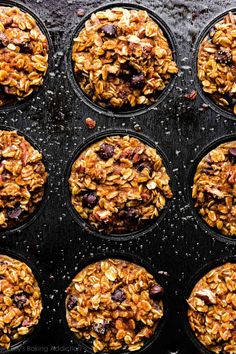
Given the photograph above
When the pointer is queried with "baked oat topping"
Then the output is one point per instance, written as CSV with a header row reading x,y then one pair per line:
x,y
23,55
217,63
122,58
214,188
119,184
22,179
212,309
112,306
20,301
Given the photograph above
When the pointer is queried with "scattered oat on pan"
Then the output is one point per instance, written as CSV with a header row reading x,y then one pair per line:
x,y
212,309
119,184
23,55
20,301
122,58
214,188
217,63
114,304
22,178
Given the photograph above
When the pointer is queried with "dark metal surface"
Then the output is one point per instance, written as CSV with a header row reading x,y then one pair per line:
x,y
55,120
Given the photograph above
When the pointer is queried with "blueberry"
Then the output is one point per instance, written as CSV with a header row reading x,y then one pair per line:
x,y
15,213
89,200
132,213
72,302
20,300
110,30
118,295
106,151
137,80
156,291
144,164
100,328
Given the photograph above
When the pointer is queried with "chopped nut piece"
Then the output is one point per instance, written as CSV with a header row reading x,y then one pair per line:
x,y
91,123
212,309
114,309
119,184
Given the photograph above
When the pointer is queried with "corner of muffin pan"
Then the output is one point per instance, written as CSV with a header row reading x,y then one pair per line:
x,y
214,233
133,259
18,346
84,224
32,217
207,97
207,267
118,113
21,104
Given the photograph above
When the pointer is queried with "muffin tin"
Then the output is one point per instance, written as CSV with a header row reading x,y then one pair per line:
x,y
177,247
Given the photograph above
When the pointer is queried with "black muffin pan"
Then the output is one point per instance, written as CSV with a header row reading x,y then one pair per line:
x,y
178,245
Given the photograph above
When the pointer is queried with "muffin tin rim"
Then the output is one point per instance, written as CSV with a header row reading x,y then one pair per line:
x,y
190,175
204,96
110,112
83,223
25,102
199,274
39,209
138,260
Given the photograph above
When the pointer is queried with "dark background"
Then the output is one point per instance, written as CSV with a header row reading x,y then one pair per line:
x,y
55,119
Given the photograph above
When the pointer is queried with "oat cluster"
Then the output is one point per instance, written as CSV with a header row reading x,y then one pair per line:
x,y
217,63
122,58
23,55
114,304
212,309
214,188
22,178
20,301
119,184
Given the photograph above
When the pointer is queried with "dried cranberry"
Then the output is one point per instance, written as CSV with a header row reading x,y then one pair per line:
x,y
144,164
156,291
4,41
118,295
223,56
132,213
106,151
20,300
15,213
110,30
89,200
137,80
72,302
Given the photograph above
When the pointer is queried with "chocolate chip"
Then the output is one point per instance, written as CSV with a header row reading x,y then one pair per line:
x,y
110,30
106,151
118,295
19,300
156,292
137,80
89,200
132,213
100,328
223,56
144,164
72,302
15,213
4,41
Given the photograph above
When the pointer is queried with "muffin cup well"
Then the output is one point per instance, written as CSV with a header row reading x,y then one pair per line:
x,y
21,104
112,112
32,217
141,262
204,226
83,223
18,346
196,277
207,97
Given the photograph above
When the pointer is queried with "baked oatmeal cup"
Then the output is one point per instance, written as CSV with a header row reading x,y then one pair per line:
x,y
113,305
119,185
23,55
212,309
22,179
214,188
20,301
216,63
122,59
